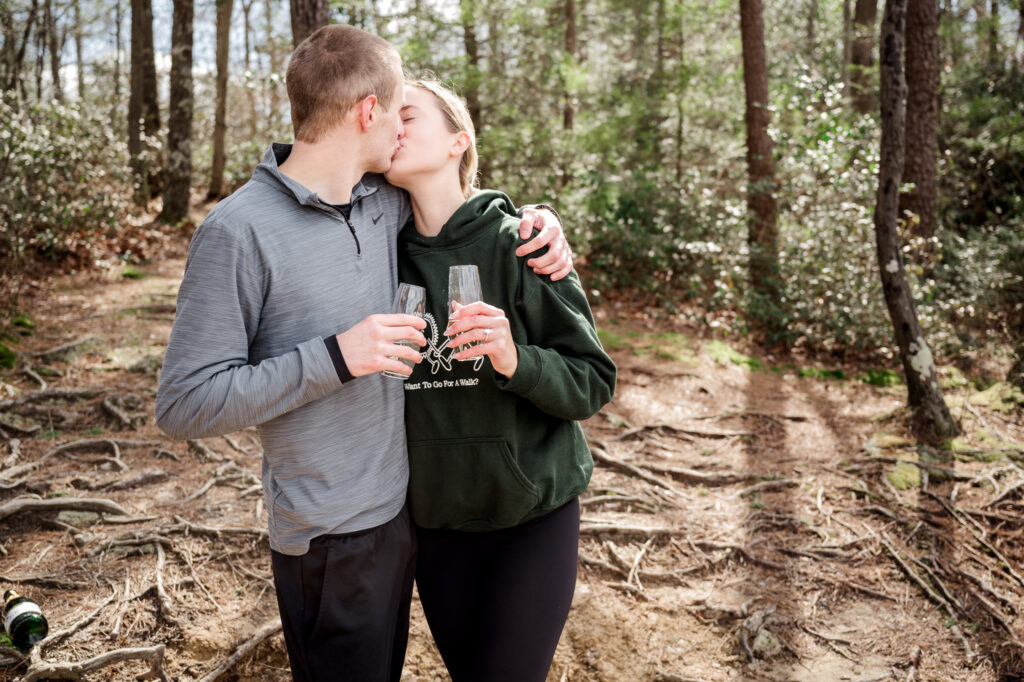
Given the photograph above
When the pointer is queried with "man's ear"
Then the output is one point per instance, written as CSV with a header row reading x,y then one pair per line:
x,y
460,145
367,112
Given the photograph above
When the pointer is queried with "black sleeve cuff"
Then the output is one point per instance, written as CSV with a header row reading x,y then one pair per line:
x,y
334,350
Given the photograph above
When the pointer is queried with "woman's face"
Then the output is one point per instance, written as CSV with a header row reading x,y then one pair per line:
x,y
425,146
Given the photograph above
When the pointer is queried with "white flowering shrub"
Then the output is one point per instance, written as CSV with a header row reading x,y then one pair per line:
x,y
63,181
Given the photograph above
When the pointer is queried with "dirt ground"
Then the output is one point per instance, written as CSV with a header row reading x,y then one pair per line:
x,y
748,519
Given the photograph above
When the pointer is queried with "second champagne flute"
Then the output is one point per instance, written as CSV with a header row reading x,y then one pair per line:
x,y
463,289
410,300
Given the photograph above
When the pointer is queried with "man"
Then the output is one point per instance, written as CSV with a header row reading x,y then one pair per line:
x,y
280,324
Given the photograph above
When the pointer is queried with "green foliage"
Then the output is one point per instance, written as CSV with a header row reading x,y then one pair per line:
x,y
880,377
131,272
8,358
62,180
723,353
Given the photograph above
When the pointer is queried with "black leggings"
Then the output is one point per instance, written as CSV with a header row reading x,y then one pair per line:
x,y
496,602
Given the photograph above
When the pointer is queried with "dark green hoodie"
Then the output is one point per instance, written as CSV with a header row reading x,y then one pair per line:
x,y
485,451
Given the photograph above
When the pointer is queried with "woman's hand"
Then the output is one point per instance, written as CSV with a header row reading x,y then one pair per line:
x,y
487,324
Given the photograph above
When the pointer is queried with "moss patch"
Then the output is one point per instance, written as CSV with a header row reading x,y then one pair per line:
x,y
999,397
904,475
8,358
723,354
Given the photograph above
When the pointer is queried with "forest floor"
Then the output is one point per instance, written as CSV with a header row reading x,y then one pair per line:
x,y
748,518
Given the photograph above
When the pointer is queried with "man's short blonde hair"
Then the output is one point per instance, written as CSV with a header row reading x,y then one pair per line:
x,y
332,70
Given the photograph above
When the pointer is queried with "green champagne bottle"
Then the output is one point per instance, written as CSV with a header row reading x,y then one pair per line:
x,y
23,620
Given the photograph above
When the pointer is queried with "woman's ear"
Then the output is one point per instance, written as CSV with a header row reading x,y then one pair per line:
x,y
460,145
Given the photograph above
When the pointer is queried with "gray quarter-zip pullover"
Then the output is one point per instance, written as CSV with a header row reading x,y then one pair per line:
x,y
271,273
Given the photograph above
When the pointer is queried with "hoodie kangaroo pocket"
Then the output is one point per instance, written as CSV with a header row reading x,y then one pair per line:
x,y
467,484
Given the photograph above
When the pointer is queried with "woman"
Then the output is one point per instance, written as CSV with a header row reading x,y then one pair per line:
x,y
497,461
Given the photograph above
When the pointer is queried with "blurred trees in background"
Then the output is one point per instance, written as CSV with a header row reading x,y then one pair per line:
x,y
629,116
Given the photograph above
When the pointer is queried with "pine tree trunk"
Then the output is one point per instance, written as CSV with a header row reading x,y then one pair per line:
x,y
307,16
15,50
143,110
922,65
220,112
179,126
568,104
812,16
472,91
847,48
78,50
762,235
931,418
54,50
117,53
250,92
862,60
993,33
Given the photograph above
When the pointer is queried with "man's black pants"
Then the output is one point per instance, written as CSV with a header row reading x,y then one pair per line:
x,y
345,603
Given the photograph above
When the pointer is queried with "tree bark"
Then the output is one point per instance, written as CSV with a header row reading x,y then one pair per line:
x,y
762,234
275,66
179,125
812,16
931,418
472,61
16,50
80,70
569,106
847,47
862,59
220,113
993,33
307,16
117,53
143,109
922,75
250,92
54,48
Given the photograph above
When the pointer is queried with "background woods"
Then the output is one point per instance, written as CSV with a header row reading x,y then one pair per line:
x,y
795,221
633,118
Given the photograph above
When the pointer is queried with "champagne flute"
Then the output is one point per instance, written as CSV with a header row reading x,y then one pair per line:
x,y
410,300
463,289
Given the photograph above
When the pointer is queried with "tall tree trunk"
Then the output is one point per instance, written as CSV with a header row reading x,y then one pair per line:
x,y
472,90
812,16
179,125
41,42
118,19
54,49
78,50
16,49
993,33
931,418
250,92
220,114
1020,40
862,58
847,48
307,16
143,110
569,106
922,66
762,234
276,67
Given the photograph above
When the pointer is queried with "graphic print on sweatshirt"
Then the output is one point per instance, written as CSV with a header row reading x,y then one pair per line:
x,y
439,355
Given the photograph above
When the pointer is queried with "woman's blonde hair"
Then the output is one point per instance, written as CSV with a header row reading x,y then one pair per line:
x,y
457,120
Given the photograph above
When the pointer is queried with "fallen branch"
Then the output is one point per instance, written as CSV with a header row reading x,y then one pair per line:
x,y
63,348
931,594
603,457
31,504
703,478
51,394
767,485
267,630
189,527
43,670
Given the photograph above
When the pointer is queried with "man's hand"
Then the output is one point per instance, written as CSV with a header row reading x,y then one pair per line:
x,y
370,346
557,262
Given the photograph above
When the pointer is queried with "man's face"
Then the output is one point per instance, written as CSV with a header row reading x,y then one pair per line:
x,y
388,126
